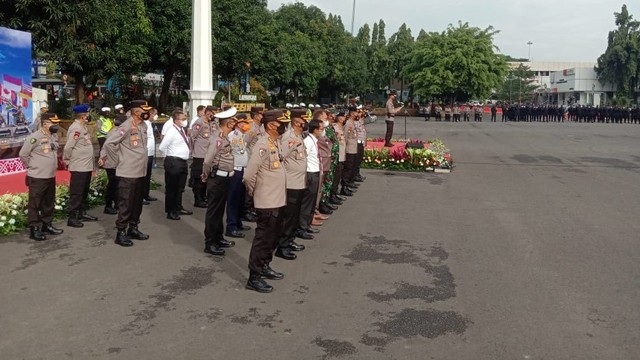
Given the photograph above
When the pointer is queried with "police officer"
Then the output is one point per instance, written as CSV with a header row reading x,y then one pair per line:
x,y
338,126
391,115
217,170
103,125
79,157
250,138
200,137
237,190
37,122
110,164
265,179
295,163
351,159
131,144
39,155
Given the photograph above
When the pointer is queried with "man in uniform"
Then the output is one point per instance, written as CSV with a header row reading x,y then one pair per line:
x,y
79,157
103,125
325,145
39,155
176,150
342,155
330,179
295,163
361,132
314,167
237,190
37,122
391,115
266,180
250,139
110,164
217,170
200,138
131,145
349,173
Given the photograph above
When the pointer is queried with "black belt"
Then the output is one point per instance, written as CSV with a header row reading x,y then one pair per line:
x,y
174,157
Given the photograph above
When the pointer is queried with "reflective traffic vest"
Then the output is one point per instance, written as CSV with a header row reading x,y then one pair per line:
x,y
104,126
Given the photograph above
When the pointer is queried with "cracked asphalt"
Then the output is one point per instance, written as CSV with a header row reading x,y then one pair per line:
x,y
527,250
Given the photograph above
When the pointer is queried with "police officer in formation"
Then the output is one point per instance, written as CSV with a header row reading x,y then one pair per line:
x,y
39,155
79,157
103,125
110,156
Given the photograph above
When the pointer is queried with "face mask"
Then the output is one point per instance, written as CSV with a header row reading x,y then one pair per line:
x,y
305,127
281,129
155,117
145,116
323,133
325,123
117,122
184,123
245,127
53,129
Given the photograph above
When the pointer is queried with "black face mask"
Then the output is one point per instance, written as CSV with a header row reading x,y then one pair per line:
x,y
53,129
281,129
145,115
305,127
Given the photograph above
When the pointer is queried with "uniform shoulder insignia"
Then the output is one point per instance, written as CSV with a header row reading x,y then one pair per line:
x,y
33,140
198,126
122,131
218,143
291,143
262,152
76,135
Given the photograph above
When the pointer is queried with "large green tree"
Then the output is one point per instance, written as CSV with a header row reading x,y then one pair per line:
x,y
457,64
400,48
620,63
518,85
91,39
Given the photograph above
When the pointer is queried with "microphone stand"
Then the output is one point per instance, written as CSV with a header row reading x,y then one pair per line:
x,y
405,125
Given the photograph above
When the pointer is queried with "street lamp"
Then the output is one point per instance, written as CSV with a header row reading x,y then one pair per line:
x,y
529,43
353,16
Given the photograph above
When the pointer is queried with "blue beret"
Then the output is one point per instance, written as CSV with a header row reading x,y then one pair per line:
x,y
82,108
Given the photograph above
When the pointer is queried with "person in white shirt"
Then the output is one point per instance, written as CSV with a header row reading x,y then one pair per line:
x,y
175,146
151,152
307,210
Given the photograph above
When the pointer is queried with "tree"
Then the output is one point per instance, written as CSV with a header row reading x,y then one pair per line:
x,y
400,47
518,84
457,64
90,39
619,63
379,60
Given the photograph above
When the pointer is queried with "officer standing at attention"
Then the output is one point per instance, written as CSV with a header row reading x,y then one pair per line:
x,y
103,125
37,122
237,190
266,181
200,138
39,155
391,115
79,157
131,144
110,164
217,171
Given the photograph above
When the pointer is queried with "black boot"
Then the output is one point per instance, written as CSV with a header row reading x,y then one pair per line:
x,y
334,200
86,217
269,273
345,191
211,248
122,239
110,210
49,229
256,283
73,220
285,253
324,209
36,234
199,202
134,233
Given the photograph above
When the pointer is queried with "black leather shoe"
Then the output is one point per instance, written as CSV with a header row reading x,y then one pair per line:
x,y
49,229
353,185
86,217
185,212
269,273
304,235
359,178
245,228
134,233
36,234
145,202
250,217
73,220
331,206
150,198
213,250
324,209
352,190
285,253
296,247
225,243
110,211
258,284
122,239
313,230
234,234
173,216
340,197
345,192
335,201
388,145
200,204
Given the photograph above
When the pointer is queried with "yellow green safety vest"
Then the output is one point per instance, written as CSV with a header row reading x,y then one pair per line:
x,y
105,125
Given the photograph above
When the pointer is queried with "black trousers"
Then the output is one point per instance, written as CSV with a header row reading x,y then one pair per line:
x,y
493,117
310,194
389,133
101,141
337,177
348,173
79,190
147,179
217,190
111,195
235,201
175,179
131,195
359,158
268,231
42,199
199,188
291,217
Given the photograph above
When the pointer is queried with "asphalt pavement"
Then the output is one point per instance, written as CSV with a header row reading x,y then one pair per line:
x,y
527,250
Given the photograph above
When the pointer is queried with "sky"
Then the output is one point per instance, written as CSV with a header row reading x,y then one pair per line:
x,y
560,30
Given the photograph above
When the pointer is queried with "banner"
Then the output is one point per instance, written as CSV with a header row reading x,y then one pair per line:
x,y
16,108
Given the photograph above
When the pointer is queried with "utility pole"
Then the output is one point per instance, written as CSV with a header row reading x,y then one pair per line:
x,y
353,17
529,43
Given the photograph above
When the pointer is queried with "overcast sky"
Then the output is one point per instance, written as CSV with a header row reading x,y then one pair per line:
x,y
560,30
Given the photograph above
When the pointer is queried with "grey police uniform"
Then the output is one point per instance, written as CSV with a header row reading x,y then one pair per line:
x,y
237,190
79,156
294,153
201,132
110,156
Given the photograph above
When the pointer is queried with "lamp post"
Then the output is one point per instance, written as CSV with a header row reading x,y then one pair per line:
x,y
201,88
353,17
529,43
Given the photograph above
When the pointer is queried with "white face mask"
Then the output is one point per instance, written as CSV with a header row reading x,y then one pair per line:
x,y
155,117
326,123
184,123
323,133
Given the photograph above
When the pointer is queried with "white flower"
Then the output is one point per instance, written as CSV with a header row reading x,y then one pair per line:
x,y
14,206
14,213
402,160
3,218
12,221
58,207
1,224
26,211
95,193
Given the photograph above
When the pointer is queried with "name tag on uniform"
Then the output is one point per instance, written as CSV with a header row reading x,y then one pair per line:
x,y
134,139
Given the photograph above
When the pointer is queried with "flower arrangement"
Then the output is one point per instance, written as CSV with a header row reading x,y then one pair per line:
x,y
434,155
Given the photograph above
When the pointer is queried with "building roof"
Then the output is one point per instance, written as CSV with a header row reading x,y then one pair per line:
x,y
552,65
